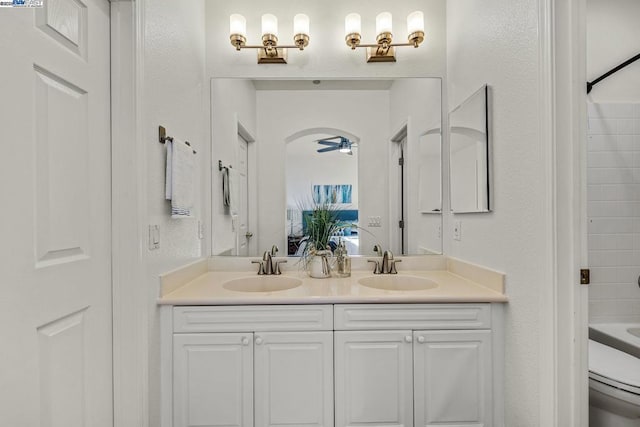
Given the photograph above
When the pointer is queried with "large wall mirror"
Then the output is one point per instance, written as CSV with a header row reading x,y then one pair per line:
x,y
282,146
470,154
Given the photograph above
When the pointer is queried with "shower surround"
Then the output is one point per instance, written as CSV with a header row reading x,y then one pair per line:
x,y
613,196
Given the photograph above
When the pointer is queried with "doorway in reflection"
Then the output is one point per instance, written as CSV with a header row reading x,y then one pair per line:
x,y
322,169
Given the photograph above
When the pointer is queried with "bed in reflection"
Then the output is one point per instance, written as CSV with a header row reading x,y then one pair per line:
x,y
296,241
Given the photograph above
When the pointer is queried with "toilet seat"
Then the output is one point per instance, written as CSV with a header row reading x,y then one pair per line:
x,y
613,367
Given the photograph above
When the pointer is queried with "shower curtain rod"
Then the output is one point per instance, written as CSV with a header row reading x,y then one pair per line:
x,y
590,85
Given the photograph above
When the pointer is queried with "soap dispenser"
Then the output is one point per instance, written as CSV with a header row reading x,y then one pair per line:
x,y
343,261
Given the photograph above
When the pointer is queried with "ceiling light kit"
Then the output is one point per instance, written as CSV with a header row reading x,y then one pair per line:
x,y
382,51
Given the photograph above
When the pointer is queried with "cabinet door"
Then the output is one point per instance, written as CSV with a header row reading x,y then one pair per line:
x,y
294,379
374,382
453,375
213,380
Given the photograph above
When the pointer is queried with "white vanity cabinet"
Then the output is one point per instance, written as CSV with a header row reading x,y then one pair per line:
x,y
414,365
268,373
398,365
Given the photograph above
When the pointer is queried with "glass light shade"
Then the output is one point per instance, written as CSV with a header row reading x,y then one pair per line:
x,y
301,24
384,23
269,24
352,24
415,22
237,25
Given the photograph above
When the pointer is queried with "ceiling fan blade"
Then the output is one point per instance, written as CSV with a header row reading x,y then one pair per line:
x,y
325,139
324,150
323,142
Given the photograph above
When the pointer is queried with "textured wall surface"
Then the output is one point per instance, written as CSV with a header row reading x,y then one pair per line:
x,y
175,96
496,42
612,37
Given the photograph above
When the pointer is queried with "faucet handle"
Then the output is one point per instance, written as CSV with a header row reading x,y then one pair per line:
x,y
276,268
392,266
376,267
261,271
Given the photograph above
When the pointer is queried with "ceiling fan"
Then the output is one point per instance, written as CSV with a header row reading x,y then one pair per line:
x,y
343,144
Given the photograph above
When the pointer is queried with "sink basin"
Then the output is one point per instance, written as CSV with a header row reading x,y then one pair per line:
x,y
262,284
398,283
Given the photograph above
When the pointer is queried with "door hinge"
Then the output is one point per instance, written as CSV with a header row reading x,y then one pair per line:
x,y
585,276
401,224
401,161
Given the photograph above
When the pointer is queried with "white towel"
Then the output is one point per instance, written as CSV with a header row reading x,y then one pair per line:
x,y
179,175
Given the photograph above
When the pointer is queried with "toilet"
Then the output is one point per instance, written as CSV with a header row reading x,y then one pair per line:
x,y
614,387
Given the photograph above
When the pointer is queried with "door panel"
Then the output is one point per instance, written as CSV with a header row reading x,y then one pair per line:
x,y
55,174
453,374
294,379
213,380
373,374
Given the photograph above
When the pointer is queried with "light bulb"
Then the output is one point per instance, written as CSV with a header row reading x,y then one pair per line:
x,y
352,24
237,25
269,24
384,23
301,24
415,22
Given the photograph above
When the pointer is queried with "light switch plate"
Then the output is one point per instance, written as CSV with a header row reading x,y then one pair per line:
x,y
374,221
457,230
154,237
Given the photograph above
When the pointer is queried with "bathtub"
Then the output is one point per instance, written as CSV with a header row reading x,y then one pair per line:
x,y
623,336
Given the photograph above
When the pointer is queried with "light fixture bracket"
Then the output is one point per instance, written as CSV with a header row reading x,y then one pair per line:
x,y
379,54
273,55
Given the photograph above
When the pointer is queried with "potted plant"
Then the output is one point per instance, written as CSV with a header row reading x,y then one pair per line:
x,y
321,223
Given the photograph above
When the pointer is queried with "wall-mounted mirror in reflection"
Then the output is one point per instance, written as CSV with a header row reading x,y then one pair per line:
x,y
339,142
469,156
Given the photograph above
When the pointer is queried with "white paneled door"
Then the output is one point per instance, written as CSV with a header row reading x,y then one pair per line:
x,y
55,255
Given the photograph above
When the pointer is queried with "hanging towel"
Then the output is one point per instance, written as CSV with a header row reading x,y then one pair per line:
x,y
179,174
168,144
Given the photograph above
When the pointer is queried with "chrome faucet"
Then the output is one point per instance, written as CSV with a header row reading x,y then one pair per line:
x,y
388,263
267,266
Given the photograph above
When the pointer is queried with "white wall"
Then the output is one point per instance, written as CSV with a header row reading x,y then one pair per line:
x,y
233,101
496,42
174,95
327,54
283,113
612,37
417,103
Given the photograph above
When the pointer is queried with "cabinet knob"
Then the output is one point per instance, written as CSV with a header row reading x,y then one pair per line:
x,y
408,338
245,341
258,341
421,339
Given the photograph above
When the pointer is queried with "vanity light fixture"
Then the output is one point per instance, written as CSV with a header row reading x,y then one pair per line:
x,y
269,52
384,49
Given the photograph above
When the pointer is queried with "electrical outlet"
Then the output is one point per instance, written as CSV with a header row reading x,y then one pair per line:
x,y
439,231
457,230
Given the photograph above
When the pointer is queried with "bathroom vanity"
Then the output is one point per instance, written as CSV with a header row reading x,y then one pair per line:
x,y
333,351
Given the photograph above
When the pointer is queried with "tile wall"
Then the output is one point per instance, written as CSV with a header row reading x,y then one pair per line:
x,y
613,197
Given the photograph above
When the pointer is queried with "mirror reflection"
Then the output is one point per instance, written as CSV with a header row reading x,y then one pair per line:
x,y
469,154
294,144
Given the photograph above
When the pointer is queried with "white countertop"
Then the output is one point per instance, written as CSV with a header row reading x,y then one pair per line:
x,y
197,285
